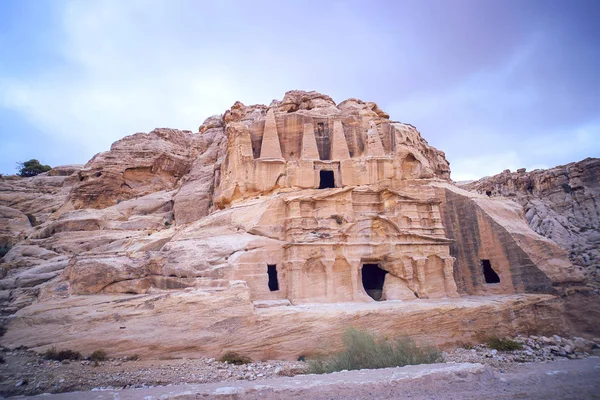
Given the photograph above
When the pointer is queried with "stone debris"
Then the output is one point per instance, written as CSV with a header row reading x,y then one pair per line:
x,y
27,373
535,349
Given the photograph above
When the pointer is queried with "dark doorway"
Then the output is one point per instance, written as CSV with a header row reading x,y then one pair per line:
x,y
488,272
372,279
273,281
326,179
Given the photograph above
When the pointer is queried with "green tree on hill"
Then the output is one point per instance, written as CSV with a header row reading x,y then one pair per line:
x,y
31,168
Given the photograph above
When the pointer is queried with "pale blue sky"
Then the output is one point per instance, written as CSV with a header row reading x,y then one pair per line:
x,y
495,84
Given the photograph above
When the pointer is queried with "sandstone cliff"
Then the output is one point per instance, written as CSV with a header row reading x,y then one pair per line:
x,y
560,203
262,217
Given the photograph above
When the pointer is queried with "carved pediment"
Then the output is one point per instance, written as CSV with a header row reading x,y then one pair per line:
x,y
380,230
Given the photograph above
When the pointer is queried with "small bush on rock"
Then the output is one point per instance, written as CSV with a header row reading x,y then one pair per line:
x,y
232,357
98,355
503,344
31,168
53,354
364,351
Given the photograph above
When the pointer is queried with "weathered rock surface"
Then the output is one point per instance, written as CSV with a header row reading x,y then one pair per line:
x,y
135,166
562,204
194,322
28,202
236,236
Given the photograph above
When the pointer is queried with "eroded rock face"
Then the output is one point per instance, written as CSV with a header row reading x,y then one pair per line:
x,y
560,203
29,202
300,202
135,166
200,322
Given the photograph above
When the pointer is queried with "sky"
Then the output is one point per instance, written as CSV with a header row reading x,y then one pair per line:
x,y
495,84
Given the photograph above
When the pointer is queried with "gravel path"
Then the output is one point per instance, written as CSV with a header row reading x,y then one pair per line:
x,y
26,373
564,379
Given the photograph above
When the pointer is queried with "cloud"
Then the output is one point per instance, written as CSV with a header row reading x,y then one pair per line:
x,y
125,67
475,167
494,119
107,89
474,88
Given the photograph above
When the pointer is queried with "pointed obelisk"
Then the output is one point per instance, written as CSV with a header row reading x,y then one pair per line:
x,y
309,143
270,148
339,146
374,145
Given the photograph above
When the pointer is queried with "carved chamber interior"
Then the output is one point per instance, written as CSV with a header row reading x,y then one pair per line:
x,y
488,272
373,279
326,179
273,279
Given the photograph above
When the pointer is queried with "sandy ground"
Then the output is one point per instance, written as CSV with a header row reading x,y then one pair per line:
x,y
564,379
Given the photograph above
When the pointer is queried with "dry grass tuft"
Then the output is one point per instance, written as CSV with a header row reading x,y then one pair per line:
x,y
364,351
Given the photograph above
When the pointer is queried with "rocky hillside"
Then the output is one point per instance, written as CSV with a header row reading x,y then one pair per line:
x,y
274,228
100,228
560,203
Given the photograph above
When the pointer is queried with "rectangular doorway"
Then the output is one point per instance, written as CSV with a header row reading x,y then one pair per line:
x,y
273,279
326,179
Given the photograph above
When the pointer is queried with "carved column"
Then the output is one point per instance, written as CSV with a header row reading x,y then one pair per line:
x,y
355,278
409,274
449,282
420,262
295,281
330,289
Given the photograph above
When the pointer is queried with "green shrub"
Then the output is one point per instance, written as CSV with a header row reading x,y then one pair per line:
x,y
98,355
232,357
31,168
53,354
503,344
364,351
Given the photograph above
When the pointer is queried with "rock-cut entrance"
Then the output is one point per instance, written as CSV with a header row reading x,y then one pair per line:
x,y
373,278
327,179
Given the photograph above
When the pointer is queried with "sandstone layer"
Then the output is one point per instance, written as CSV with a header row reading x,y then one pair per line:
x,y
193,323
249,233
